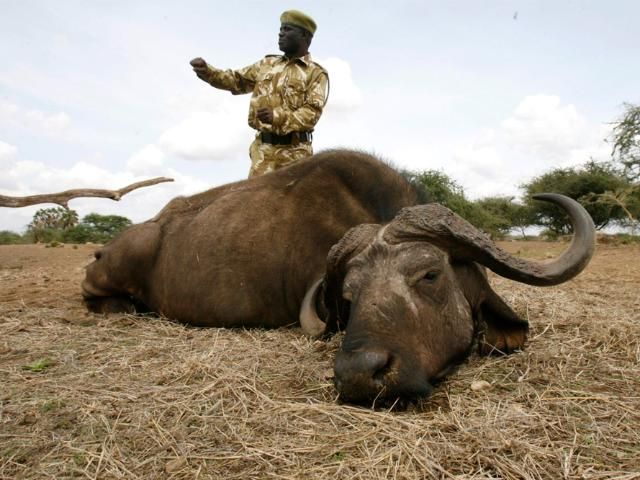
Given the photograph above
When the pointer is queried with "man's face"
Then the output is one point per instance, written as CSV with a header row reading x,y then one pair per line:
x,y
291,39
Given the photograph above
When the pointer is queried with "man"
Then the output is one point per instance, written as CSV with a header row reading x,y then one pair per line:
x,y
289,93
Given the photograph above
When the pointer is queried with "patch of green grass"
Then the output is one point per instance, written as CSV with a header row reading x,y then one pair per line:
x,y
338,456
50,405
39,365
79,459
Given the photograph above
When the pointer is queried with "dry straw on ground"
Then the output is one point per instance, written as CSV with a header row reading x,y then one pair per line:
x,y
90,396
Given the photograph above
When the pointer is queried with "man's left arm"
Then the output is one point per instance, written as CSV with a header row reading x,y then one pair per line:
x,y
304,118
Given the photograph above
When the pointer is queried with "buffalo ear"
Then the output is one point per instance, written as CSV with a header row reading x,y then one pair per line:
x,y
352,243
500,329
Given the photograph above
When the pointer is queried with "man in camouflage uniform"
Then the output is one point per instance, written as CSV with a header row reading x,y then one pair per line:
x,y
289,93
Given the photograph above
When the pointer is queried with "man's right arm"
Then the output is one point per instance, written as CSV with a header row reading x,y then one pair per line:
x,y
235,81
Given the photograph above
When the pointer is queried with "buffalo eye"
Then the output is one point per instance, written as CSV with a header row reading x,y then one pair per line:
x,y
431,276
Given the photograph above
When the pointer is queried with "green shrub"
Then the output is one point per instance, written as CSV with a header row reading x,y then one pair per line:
x,y
11,238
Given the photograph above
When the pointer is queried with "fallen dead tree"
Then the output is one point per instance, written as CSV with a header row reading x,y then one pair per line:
x,y
62,198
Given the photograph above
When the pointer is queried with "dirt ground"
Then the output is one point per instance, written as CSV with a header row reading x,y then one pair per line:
x,y
85,395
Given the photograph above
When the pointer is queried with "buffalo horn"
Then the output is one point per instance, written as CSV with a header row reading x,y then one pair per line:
x,y
310,322
440,226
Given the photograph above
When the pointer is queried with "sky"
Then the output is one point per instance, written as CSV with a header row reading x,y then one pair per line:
x,y
100,94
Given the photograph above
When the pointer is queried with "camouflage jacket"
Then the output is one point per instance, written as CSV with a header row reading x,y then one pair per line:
x,y
296,90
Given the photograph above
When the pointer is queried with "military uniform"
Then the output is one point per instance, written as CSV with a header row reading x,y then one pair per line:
x,y
295,89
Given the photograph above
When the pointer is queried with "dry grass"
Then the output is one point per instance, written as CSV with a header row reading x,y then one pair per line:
x,y
123,397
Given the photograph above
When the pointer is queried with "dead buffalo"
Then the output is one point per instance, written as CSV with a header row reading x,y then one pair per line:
x,y
337,241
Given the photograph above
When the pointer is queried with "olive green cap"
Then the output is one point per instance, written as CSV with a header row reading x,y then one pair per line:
x,y
299,19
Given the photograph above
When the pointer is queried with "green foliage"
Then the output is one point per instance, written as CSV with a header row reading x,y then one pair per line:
x,y
54,218
105,227
503,215
48,224
10,238
626,153
626,239
626,142
58,225
437,187
39,365
96,228
582,184
626,199
43,235
81,233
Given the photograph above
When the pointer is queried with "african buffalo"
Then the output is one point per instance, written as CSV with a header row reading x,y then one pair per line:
x,y
338,241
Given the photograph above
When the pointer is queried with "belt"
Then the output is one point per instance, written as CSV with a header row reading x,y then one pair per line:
x,y
293,138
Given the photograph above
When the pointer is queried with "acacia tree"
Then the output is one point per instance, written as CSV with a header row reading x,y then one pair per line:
x,y
626,142
60,224
97,228
505,214
583,184
49,223
626,153
437,187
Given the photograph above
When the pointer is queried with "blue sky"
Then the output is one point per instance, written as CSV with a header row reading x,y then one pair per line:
x,y
100,93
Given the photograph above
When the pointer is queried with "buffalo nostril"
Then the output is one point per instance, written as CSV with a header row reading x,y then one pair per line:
x,y
376,363
365,365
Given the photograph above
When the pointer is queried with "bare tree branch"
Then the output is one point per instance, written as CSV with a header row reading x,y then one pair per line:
x,y
62,198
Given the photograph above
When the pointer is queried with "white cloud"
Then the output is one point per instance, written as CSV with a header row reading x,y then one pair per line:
x,y
7,151
214,135
37,120
147,161
8,110
542,133
7,159
541,123
344,94
23,177
50,123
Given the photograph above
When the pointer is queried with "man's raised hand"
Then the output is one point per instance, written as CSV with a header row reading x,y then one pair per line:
x,y
200,67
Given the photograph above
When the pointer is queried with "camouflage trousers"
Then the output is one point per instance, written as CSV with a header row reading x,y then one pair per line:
x,y
266,157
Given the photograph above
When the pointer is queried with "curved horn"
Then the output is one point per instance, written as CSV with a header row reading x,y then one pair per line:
x,y
353,242
443,228
310,322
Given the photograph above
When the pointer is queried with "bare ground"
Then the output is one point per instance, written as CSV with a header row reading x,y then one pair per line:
x,y
84,395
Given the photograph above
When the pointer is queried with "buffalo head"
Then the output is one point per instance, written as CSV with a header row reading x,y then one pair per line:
x,y
412,297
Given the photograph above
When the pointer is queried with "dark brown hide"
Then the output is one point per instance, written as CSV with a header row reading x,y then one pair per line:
x,y
244,254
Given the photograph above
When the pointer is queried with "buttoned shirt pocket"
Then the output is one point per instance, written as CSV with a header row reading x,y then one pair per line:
x,y
294,93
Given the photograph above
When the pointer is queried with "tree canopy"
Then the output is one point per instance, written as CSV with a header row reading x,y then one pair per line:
x,y
62,225
626,142
581,184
